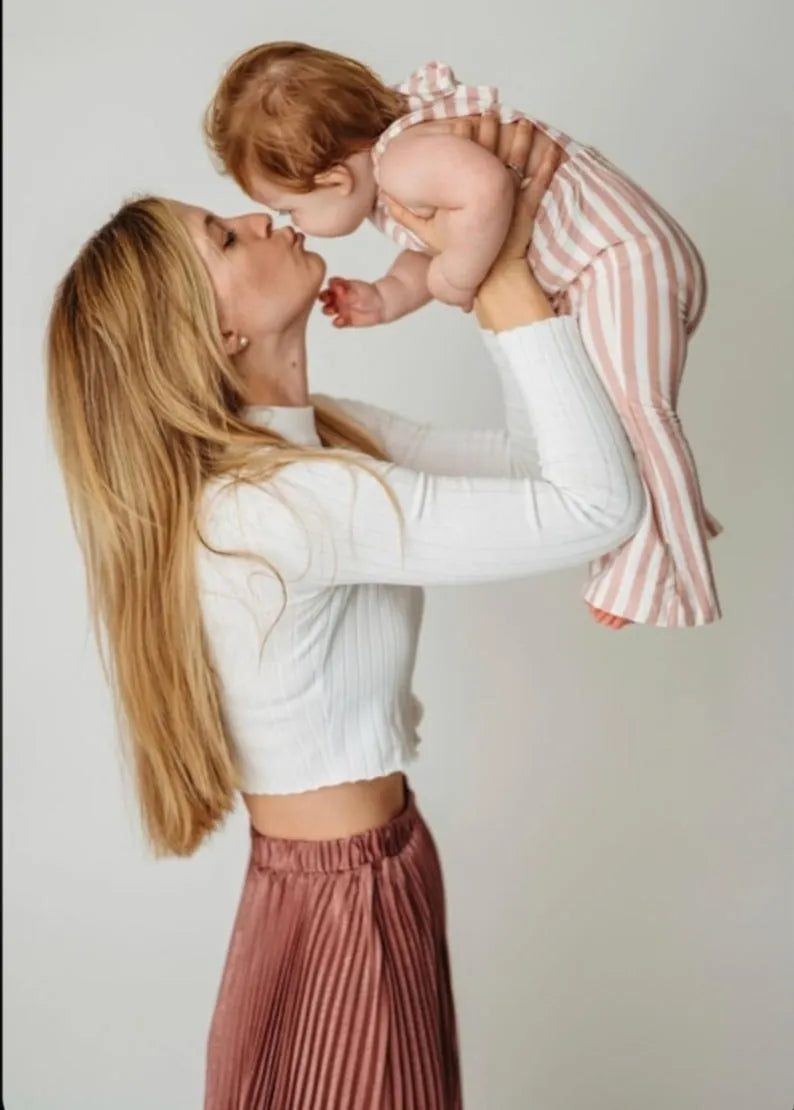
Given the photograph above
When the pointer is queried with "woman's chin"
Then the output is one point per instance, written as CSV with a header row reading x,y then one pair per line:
x,y
319,262
318,267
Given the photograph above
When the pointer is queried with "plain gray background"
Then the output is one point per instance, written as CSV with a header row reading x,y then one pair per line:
x,y
614,811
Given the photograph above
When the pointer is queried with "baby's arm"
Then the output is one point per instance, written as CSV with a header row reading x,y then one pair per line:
x,y
404,287
474,189
360,304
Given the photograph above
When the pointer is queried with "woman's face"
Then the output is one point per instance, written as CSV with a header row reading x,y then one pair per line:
x,y
265,282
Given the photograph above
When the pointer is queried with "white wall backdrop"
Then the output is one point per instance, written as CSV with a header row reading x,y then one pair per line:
x,y
614,811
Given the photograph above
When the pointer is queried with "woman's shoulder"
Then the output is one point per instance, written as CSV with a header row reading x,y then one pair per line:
x,y
371,418
331,403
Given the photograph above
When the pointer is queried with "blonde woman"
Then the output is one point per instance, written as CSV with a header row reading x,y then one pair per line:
x,y
255,559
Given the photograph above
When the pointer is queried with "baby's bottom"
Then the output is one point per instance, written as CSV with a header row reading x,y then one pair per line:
x,y
635,321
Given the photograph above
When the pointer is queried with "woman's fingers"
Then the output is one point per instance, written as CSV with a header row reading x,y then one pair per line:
x,y
463,127
523,221
533,192
527,203
402,214
521,145
482,130
419,225
488,132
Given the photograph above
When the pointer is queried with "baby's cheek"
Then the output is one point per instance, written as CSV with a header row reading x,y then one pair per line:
x,y
322,228
329,224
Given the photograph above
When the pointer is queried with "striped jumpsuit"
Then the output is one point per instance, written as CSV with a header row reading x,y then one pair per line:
x,y
605,252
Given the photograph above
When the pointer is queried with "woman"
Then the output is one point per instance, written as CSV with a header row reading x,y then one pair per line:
x,y
253,560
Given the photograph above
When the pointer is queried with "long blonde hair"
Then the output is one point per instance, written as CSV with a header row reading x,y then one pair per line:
x,y
145,409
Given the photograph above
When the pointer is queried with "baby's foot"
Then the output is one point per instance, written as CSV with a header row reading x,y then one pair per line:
x,y
609,620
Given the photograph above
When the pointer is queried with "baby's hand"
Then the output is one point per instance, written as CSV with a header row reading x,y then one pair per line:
x,y
357,304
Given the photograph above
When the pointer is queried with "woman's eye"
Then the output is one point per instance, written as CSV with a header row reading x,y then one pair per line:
x,y
229,239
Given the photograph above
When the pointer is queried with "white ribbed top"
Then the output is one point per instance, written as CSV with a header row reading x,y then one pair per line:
x,y
321,694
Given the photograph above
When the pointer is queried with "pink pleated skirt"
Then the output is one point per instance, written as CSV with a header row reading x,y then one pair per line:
x,y
336,994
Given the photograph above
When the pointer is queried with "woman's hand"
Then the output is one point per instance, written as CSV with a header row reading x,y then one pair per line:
x,y
485,131
510,296
530,193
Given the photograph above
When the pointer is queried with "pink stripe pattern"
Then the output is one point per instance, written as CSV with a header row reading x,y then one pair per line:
x,y
336,992
605,252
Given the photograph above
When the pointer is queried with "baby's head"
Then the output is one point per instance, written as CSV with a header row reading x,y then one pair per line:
x,y
293,125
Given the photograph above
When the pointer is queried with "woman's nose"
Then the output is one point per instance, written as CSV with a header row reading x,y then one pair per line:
x,y
255,225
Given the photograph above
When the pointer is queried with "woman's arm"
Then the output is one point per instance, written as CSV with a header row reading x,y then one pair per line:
x,y
511,297
479,452
326,522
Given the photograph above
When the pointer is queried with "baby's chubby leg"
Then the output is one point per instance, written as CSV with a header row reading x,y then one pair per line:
x,y
635,332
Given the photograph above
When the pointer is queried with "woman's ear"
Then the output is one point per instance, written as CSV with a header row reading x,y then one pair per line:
x,y
233,344
339,177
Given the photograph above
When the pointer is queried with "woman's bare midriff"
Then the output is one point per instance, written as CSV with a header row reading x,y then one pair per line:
x,y
330,813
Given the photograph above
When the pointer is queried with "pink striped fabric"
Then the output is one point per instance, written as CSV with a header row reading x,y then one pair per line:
x,y
604,251
336,993
433,92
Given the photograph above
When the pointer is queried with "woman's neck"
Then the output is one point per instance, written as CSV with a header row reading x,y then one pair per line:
x,y
274,372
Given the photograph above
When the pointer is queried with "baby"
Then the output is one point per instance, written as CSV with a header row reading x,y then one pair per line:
x,y
320,138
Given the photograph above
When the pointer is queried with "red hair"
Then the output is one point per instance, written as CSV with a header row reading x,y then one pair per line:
x,y
290,111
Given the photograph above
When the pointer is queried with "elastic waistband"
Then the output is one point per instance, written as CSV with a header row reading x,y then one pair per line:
x,y
344,854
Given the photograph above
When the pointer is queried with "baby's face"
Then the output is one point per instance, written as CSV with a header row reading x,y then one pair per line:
x,y
321,212
342,200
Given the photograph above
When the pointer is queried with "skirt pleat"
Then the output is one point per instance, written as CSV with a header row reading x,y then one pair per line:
x,y
336,994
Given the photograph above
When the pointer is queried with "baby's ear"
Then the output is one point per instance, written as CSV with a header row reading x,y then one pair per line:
x,y
339,177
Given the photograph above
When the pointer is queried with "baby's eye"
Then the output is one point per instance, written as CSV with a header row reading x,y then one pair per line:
x,y
230,238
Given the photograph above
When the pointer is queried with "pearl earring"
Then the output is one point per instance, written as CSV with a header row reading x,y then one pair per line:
x,y
242,343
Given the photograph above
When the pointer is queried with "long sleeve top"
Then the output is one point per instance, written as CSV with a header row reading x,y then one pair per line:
x,y
311,582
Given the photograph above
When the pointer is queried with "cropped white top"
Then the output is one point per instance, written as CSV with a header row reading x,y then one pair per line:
x,y
316,681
